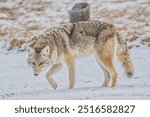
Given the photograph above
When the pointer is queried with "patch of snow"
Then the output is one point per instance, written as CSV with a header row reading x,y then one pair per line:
x,y
18,82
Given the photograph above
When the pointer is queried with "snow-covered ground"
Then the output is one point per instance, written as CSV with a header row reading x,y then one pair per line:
x,y
22,19
18,82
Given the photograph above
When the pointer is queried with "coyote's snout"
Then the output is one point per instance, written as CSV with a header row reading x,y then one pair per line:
x,y
66,43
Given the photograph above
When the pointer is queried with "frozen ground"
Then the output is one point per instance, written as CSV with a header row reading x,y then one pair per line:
x,y
18,82
22,19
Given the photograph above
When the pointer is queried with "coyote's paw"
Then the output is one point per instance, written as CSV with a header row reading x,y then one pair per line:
x,y
113,85
71,87
53,83
104,85
54,86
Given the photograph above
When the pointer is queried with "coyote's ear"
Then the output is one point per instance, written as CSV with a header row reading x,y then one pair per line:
x,y
45,51
31,50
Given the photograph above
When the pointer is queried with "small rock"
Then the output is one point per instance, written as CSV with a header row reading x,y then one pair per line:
x,y
25,86
11,85
7,95
86,98
136,77
137,46
131,46
12,94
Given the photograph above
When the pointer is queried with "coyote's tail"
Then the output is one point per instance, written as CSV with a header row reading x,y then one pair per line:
x,y
123,55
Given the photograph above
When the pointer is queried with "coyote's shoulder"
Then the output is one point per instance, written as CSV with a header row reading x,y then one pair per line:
x,y
71,40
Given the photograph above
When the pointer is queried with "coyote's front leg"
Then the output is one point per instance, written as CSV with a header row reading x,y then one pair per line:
x,y
53,70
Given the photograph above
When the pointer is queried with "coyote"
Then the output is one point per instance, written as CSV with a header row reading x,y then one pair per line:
x,y
72,40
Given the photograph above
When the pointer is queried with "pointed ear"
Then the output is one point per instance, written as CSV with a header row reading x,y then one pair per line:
x,y
31,50
45,51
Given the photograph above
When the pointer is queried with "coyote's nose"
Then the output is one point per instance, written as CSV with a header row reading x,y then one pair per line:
x,y
36,74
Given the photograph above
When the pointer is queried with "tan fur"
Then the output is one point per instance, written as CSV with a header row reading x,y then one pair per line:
x,y
37,69
71,67
69,41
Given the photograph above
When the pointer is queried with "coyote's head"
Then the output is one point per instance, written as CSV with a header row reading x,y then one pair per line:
x,y
39,60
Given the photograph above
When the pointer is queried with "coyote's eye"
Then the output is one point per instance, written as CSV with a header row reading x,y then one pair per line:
x,y
40,64
33,64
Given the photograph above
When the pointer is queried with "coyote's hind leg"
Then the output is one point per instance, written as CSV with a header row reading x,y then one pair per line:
x,y
107,75
105,54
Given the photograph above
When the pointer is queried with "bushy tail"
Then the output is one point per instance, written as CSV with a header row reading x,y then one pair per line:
x,y
123,55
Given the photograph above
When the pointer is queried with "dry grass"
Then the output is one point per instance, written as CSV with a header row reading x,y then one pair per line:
x,y
15,43
131,19
146,41
2,33
111,14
